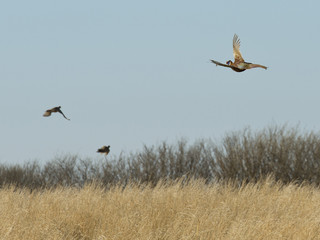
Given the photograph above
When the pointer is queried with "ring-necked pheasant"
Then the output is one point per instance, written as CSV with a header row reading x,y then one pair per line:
x,y
239,65
54,110
104,150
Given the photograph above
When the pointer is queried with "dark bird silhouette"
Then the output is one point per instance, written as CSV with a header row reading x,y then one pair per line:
x,y
239,65
54,110
104,150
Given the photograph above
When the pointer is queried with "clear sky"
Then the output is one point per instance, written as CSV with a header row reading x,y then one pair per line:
x,y
129,73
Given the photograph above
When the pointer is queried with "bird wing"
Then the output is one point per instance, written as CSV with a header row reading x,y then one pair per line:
x,y
63,114
236,50
47,113
223,65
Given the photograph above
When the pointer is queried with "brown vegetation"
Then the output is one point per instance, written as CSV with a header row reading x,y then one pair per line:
x,y
180,191
262,210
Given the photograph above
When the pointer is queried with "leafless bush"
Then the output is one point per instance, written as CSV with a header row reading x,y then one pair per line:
x,y
243,156
285,153
28,175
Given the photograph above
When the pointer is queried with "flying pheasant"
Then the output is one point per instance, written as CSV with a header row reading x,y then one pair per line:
x,y
239,65
104,150
54,110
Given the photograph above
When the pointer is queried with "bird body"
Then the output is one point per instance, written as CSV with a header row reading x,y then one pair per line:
x,y
239,65
104,150
54,110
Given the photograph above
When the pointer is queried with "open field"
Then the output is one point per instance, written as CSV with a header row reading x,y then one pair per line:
x,y
265,210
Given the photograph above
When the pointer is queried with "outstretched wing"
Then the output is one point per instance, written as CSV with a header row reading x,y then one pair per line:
x,y
47,113
63,114
236,50
223,65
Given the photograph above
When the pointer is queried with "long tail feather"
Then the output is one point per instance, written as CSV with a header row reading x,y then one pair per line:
x,y
257,65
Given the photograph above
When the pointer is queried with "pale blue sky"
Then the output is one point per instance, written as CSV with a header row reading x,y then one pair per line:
x,y
129,73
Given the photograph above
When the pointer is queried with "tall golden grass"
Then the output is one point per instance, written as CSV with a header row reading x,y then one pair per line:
x,y
265,210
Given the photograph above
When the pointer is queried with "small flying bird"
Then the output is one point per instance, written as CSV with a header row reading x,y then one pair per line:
x,y
104,150
53,110
239,65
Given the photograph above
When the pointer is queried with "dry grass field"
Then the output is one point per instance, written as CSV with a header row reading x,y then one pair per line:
x,y
266,210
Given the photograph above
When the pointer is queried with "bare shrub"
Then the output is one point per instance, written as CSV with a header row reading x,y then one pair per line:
x,y
245,156
286,153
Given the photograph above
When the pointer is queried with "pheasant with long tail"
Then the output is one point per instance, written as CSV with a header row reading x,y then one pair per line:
x,y
239,65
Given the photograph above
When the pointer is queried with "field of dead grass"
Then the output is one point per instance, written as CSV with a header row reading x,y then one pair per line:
x,y
266,210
